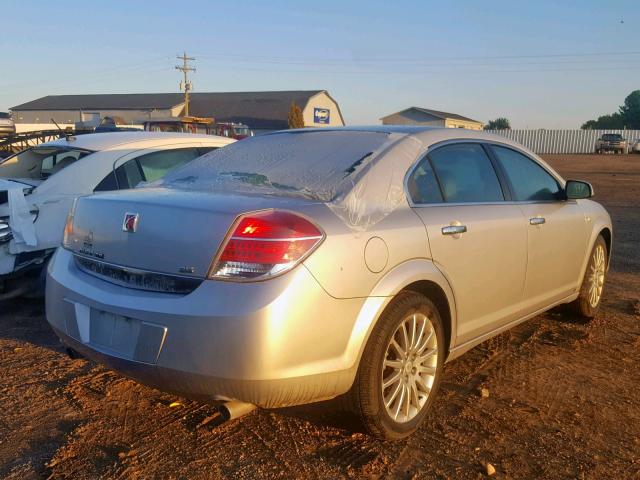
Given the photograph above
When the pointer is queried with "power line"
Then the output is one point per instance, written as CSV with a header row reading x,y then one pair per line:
x,y
186,85
338,61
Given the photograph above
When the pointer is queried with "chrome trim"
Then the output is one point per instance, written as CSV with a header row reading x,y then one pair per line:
x,y
134,227
537,221
284,239
5,232
454,229
190,283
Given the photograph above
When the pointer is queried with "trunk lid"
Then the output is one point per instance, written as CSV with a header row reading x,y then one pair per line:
x,y
177,232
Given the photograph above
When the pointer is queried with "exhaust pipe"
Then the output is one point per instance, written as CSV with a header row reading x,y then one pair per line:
x,y
234,409
227,411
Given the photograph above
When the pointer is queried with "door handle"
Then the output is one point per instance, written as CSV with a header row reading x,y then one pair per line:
x,y
454,229
537,220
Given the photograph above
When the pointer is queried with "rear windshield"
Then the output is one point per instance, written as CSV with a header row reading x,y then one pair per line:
x,y
312,164
40,163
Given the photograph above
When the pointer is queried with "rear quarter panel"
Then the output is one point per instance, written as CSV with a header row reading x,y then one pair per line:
x,y
340,265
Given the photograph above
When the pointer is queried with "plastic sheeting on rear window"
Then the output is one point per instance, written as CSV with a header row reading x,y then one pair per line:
x,y
314,165
347,169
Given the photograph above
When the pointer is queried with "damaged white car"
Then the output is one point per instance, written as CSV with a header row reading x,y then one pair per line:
x,y
38,187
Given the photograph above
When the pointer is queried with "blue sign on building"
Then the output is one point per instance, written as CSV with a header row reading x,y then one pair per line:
x,y
321,115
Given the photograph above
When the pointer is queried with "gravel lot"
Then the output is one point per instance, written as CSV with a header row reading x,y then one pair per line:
x,y
563,398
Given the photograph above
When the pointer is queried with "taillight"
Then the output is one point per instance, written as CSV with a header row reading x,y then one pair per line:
x,y
264,244
68,227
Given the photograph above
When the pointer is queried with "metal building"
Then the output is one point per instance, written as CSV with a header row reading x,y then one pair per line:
x,y
433,118
261,111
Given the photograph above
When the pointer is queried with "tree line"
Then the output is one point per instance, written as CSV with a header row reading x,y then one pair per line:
x,y
627,116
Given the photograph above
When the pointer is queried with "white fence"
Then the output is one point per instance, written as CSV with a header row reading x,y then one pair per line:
x,y
563,141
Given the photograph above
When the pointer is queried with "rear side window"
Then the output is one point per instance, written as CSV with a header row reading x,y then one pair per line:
x,y
157,164
150,167
466,174
129,174
422,185
529,181
107,184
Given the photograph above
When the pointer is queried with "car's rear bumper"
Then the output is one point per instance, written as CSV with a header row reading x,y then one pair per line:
x,y
264,393
274,343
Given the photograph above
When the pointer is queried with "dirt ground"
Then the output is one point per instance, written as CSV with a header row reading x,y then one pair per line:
x,y
563,398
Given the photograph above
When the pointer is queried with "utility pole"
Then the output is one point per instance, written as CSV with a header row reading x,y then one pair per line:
x,y
186,84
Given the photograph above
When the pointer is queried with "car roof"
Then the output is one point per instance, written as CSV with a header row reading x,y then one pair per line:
x,y
426,135
402,129
107,140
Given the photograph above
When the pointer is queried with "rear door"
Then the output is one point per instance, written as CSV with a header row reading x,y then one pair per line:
x,y
477,238
556,228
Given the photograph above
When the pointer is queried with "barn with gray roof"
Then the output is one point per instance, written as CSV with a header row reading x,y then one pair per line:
x,y
261,111
432,118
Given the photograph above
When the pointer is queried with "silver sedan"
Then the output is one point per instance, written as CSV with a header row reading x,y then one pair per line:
x,y
307,264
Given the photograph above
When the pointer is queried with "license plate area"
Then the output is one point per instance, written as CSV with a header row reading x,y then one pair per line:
x,y
114,332
117,335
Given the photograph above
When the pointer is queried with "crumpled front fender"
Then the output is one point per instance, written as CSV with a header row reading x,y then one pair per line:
x,y
20,218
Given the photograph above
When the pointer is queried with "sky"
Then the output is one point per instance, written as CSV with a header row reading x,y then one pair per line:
x,y
542,64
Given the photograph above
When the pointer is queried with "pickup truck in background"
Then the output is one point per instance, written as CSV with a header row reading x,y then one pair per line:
x,y
611,142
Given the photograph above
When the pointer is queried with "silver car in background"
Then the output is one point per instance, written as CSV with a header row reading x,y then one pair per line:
x,y
302,265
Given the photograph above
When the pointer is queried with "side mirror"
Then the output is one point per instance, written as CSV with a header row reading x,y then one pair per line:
x,y
577,189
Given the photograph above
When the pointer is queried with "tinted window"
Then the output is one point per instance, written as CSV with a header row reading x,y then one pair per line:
x,y
157,164
466,174
152,166
108,184
611,137
203,150
423,185
129,174
529,181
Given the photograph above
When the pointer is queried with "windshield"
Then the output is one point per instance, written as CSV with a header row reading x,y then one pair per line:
x,y
40,163
611,136
312,164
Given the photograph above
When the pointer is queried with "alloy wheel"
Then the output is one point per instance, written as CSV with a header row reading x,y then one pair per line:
x,y
409,367
596,275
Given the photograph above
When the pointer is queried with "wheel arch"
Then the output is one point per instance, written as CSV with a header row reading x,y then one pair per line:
x,y
437,295
602,227
417,275
606,234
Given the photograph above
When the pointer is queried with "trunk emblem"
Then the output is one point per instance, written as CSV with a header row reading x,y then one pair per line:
x,y
130,223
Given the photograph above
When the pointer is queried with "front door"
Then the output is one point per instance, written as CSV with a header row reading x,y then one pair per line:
x,y
556,229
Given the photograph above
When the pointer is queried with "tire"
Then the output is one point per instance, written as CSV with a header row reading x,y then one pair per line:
x,y
367,398
588,301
